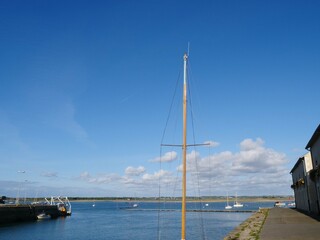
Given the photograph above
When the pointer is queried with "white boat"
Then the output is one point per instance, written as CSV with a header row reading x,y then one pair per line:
x,y
130,205
43,216
228,206
279,204
237,204
292,205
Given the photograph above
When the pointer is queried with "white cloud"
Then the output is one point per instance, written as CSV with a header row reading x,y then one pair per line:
x,y
131,171
254,157
215,165
212,143
167,157
150,181
253,170
155,176
249,144
193,156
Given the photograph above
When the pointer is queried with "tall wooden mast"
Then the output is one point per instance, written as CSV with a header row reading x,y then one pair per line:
x,y
184,150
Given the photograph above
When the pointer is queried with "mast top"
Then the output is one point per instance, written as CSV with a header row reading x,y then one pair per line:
x,y
185,57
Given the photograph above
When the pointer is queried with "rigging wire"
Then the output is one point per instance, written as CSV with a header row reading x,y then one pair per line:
x,y
161,152
170,109
196,159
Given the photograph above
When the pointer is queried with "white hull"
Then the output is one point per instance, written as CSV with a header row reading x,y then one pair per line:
x,y
228,206
43,216
279,204
237,205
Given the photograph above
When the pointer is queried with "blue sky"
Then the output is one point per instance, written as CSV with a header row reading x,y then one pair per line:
x,y
86,87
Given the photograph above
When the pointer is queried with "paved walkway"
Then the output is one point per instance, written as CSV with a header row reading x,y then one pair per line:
x,y
286,223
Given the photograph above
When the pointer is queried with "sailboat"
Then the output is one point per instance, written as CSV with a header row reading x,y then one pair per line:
x,y
228,206
237,204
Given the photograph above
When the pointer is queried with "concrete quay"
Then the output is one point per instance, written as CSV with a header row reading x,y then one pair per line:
x,y
18,213
286,223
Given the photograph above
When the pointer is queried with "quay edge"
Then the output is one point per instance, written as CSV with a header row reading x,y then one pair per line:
x,y
19,213
250,228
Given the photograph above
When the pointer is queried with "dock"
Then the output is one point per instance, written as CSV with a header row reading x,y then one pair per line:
x,y
10,213
277,224
286,223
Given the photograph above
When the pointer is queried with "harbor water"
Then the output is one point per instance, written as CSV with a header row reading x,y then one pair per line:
x,y
119,221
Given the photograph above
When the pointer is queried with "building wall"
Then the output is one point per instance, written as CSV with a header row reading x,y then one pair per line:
x,y
300,187
315,154
308,162
312,193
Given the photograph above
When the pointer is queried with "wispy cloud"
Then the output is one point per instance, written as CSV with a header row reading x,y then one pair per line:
x,y
101,178
9,134
66,120
49,174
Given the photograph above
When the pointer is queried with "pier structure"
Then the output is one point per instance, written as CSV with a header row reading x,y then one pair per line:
x,y
10,213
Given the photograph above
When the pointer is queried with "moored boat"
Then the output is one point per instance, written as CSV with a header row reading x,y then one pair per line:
x,y
228,207
63,204
279,204
237,204
43,216
292,205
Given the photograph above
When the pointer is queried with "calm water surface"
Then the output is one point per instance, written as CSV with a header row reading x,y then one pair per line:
x,y
108,221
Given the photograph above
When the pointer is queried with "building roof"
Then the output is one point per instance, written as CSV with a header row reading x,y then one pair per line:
x,y
314,137
297,164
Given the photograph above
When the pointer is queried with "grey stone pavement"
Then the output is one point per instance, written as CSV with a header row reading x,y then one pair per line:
x,y
286,223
